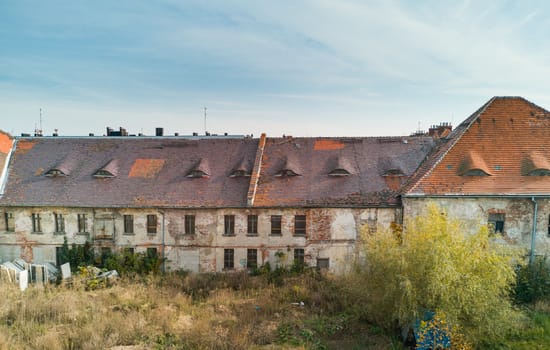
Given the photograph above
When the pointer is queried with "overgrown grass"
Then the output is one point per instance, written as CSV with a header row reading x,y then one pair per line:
x,y
185,311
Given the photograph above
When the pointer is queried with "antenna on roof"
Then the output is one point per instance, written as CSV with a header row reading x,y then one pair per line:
x,y
205,132
38,132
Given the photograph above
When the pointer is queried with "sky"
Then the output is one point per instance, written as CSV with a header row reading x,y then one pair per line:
x,y
301,68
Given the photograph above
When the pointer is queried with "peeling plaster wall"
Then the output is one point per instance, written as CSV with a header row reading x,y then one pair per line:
x,y
330,233
473,212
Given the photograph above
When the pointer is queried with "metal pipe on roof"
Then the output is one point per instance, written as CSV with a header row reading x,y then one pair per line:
x,y
532,255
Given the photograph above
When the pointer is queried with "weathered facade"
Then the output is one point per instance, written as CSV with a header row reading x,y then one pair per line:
x,y
205,204
492,169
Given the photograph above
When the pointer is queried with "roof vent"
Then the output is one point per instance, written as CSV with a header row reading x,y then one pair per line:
x,y
200,170
55,172
340,167
242,169
473,165
159,131
108,170
289,168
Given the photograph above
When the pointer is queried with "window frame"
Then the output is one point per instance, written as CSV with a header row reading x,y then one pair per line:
x,y
9,221
152,223
81,223
276,225
189,224
36,223
496,222
251,258
59,223
128,224
252,225
229,259
298,229
299,256
229,225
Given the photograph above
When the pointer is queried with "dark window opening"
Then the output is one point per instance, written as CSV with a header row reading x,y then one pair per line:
x,y
239,173
152,252
197,174
54,173
323,264
59,222
128,251
299,224
252,258
299,256
229,225
228,259
82,225
276,224
129,224
252,225
339,172
151,223
9,221
36,226
496,223
548,225
189,224
475,172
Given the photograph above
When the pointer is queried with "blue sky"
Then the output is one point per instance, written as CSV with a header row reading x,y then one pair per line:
x,y
303,68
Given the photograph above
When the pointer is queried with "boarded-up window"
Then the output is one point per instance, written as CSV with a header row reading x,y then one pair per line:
x,y
9,222
276,224
189,224
496,222
128,224
151,223
299,224
252,258
229,225
252,227
228,258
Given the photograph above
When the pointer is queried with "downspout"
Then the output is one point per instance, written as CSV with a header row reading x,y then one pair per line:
x,y
532,256
163,260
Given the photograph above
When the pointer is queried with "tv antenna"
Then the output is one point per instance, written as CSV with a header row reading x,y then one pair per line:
x,y
205,120
38,132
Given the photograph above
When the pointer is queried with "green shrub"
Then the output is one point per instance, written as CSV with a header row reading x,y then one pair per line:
x,y
533,282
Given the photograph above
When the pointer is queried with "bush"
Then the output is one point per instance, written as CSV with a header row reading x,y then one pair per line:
x,y
433,267
533,282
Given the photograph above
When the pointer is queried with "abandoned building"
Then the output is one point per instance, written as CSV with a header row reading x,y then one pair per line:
x,y
214,203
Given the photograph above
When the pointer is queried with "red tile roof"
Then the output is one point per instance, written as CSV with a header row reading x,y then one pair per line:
x,y
505,138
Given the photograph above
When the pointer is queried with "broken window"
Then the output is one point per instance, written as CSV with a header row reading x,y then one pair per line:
x,y
252,225
229,225
82,226
151,223
59,223
496,222
323,263
129,224
299,256
252,258
276,224
228,259
9,221
189,224
36,226
299,224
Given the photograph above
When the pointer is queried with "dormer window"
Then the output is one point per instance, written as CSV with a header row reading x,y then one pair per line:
x,y
287,173
539,172
103,173
473,165
196,174
54,173
339,172
393,172
239,173
535,164
200,170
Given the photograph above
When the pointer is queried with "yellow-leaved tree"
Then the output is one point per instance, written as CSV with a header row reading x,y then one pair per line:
x,y
433,266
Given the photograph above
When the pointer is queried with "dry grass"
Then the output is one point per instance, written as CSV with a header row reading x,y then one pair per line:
x,y
231,311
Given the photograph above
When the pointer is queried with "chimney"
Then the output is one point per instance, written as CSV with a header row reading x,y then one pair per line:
x,y
441,130
159,131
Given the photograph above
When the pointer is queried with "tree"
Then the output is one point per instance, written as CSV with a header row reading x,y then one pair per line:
x,y
434,267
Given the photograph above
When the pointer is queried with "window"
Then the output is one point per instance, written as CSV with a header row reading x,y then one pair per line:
x,y
189,224
128,251
299,224
252,225
36,227
548,225
129,224
496,222
152,252
151,224
299,256
228,258
252,258
229,225
10,224
276,224
82,226
323,264
59,222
